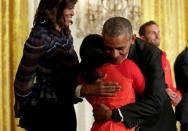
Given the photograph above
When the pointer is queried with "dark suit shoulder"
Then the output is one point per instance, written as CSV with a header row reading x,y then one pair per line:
x,y
144,54
147,48
183,56
141,50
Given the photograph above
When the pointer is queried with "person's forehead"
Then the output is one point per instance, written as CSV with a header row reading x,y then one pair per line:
x,y
118,37
151,27
116,42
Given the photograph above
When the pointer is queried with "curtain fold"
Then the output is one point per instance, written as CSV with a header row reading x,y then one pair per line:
x,y
13,31
172,19
16,17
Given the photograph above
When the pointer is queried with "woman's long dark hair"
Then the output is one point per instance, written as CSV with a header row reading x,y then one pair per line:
x,y
52,5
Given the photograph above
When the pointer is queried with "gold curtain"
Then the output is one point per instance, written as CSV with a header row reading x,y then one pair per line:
x,y
169,14
13,31
172,19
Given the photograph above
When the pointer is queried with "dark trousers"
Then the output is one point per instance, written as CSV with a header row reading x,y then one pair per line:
x,y
184,127
50,118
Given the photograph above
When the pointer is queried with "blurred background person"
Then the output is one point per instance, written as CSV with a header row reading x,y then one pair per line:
x,y
149,31
181,77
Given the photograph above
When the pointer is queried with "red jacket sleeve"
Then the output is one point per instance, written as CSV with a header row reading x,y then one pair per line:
x,y
132,71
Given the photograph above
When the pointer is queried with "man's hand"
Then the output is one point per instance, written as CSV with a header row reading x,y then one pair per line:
x,y
102,113
174,96
100,88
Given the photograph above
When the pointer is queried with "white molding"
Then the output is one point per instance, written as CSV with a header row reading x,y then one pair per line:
x,y
32,6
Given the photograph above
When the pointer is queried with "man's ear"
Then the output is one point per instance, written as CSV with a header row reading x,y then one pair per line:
x,y
142,37
133,38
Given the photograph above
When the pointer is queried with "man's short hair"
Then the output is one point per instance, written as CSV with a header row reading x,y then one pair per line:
x,y
143,27
116,26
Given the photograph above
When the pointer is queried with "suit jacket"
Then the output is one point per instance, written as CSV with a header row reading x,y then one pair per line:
x,y
181,77
153,112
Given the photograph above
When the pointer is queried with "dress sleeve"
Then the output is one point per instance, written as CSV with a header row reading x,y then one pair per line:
x,y
32,52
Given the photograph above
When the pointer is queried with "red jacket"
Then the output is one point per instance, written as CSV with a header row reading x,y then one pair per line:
x,y
131,80
168,74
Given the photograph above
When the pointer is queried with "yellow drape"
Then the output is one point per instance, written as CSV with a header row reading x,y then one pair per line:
x,y
169,14
13,31
172,19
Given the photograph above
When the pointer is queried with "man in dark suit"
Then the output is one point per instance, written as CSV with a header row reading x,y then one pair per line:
x,y
181,77
153,111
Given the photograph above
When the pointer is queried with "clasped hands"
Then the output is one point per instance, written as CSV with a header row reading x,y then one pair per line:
x,y
174,96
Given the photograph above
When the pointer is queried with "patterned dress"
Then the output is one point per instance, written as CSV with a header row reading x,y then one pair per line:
x,y
45,81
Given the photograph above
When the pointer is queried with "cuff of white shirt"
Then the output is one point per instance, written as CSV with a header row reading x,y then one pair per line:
x,y
117,115
121,115
77,91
